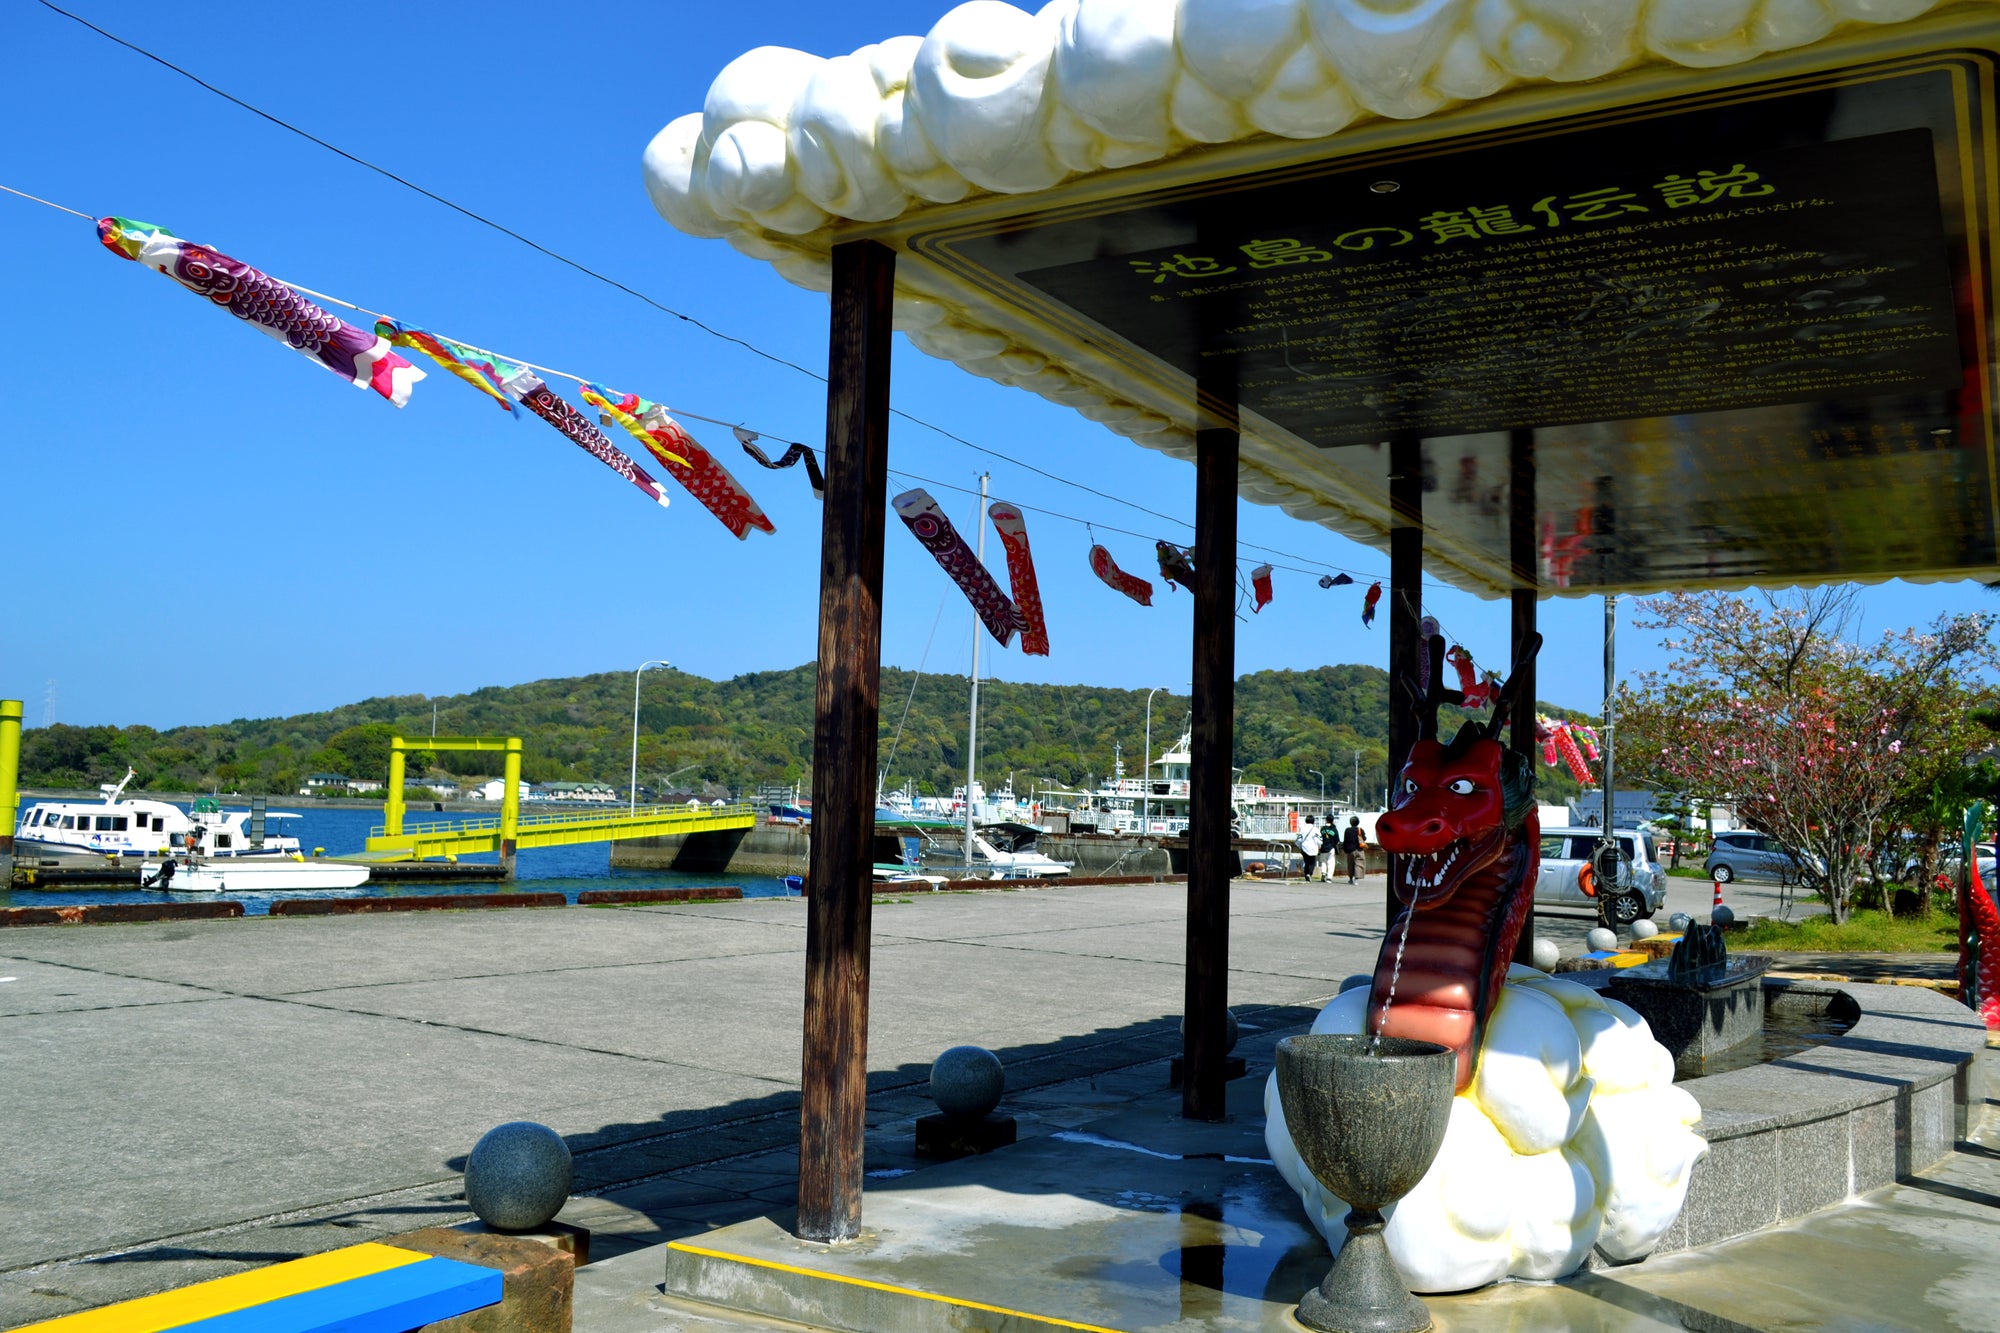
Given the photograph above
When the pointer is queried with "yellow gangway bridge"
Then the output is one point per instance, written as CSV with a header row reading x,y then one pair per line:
x,y
398,839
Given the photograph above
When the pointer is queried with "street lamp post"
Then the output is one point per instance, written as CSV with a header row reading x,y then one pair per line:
x,y
1146,769
1322,784
1357,779
632,792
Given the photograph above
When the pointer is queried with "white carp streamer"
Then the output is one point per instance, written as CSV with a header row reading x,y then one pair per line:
x,y
1571,1135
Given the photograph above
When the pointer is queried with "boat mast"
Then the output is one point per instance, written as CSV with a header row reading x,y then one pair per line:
x,y
972,724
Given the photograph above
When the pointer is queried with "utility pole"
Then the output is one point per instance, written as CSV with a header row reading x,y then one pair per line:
x,y
1607,877
1357,779
972,723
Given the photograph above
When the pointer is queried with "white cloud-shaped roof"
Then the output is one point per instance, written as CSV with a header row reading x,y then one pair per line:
x,y
790,148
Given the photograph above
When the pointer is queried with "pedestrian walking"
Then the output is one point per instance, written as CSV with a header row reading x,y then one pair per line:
x,y
1309,845
1352,843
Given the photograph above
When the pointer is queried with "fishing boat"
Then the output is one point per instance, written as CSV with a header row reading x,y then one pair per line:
x,y
248,874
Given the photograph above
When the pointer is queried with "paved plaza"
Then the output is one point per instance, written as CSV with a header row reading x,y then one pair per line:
x,y
184,1100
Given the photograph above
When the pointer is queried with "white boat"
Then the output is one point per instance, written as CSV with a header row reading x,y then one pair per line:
x,y
116,827
1160,803
250,874
1008,851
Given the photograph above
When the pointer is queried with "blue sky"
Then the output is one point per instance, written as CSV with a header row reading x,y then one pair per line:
x,y
204,526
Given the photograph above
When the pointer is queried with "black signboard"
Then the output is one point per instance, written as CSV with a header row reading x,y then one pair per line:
x,y
1748,328
1627,276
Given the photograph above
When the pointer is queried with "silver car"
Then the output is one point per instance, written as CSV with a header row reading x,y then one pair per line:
x,y
1642,884
1746,854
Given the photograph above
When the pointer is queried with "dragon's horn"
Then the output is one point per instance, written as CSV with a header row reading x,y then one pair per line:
x,y
1510,692
1432,693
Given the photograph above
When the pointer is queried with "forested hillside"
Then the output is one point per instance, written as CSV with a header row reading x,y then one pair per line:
x,y
757,728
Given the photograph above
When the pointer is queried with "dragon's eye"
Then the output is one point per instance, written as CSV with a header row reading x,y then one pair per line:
x,y
1409,785
1463,786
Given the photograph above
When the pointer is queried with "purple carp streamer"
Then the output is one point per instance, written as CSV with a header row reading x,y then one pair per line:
x,y
527,389
361,358
941,539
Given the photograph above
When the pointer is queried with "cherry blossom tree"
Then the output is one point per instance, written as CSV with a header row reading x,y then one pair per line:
x,y
1817,739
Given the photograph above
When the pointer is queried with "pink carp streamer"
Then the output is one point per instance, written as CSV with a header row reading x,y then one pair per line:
x,y
361,358
1572,756
920,513
1021,580
1102,565
693,466
527,389
1260,588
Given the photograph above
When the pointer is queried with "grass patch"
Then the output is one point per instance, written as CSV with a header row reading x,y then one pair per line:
x,y
1865,932
1688,872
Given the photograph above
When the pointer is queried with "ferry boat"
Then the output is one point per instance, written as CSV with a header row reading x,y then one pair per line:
x,y
1157,804
249,874
116,827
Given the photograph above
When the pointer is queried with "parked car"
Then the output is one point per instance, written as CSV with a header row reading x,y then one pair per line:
x,y
1747,854
1642,883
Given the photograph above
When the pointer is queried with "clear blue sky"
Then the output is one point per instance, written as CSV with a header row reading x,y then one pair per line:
x,y
202,525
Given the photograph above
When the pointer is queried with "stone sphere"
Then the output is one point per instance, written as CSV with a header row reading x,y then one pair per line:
x,y
1644,928
518,1176
1231,1030
1722,916
967,1081
1679,922
1602,940
1547,955
1358,979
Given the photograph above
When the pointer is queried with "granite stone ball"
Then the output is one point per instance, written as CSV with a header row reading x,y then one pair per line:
x,y
1231,1030
1644,928
1547,955
1722,916
1358,979
1679,922
967,1081
518,1176
1602,940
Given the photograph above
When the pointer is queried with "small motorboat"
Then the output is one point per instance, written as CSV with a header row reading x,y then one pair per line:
x,y
249,874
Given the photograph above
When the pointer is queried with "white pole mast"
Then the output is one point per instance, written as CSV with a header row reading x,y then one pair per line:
x,y
972,724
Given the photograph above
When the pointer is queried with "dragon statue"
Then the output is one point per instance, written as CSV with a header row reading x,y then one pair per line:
x,y
1979,944
1567,1134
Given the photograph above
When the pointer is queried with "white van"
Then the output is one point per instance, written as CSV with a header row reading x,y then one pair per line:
x,y
1642,883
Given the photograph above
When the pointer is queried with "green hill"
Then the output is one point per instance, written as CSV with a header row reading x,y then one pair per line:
x,y
756,728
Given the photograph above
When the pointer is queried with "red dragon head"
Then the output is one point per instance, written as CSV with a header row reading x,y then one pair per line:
x,y
1464,838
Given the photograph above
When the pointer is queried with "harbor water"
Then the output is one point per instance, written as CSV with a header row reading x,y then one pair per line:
x,y
344,831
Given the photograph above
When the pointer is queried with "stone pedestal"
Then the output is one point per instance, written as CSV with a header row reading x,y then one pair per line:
x,y
944,1137
540,1277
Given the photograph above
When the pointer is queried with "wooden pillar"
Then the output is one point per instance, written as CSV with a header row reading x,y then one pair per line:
x,y
1211,857
847,708
1406,609
1521,542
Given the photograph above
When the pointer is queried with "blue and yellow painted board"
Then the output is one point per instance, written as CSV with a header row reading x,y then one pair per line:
x,y
361,1289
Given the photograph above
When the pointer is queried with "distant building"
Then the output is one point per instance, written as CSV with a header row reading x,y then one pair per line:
x,y
593,793
442,786
365,784
493,790
321,784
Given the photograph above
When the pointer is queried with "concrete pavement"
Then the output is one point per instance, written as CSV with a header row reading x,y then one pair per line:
x,y
186,1099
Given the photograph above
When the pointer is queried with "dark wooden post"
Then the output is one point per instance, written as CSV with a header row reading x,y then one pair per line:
x,y
1406,609
1521,542
847,707
1211,855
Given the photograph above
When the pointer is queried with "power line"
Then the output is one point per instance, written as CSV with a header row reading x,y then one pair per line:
x,y
585,269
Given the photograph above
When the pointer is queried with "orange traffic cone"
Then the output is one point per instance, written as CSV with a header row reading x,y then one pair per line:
x,y
1718,896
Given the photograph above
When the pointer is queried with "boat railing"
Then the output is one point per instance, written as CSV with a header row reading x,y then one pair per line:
x,y
573,815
